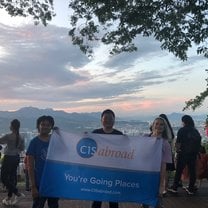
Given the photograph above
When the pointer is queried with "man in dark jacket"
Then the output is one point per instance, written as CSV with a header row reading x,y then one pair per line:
x,y
107,120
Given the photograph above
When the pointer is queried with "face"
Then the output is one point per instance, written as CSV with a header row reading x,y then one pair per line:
x,y
108,120
45,127
158,126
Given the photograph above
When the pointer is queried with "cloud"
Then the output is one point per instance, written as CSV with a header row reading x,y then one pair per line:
x,y
147,48
40,66
35,57
47,45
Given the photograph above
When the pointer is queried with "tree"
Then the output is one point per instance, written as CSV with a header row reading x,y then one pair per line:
x,y
41,11
177,24
198,100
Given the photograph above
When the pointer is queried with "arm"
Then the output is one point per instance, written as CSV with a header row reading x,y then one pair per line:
x,y
162,178
3,139
177,147
31,172
166,158
21,145
178,141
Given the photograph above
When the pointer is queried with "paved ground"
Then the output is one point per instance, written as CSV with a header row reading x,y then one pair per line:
x,y
200,200
27,202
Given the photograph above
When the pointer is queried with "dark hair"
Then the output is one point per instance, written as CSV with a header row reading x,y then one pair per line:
x,y
15,124
168,123
108,111
188,121
45,118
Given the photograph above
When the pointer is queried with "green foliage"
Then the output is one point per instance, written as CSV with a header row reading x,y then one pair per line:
x,y
176,24
41,11
198,100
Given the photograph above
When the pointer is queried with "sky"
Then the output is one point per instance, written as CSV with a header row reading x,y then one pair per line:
x,y
40,67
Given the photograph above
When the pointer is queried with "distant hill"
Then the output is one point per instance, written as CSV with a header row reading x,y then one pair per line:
x,y
177,117
75,122
173,117
29,115
32,112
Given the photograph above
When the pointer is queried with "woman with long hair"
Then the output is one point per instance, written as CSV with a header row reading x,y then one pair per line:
x,y
14,145
187,146
170,167
159,129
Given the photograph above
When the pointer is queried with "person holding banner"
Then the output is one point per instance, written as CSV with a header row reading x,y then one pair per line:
x,y
159,129
107,120
36,154
170,167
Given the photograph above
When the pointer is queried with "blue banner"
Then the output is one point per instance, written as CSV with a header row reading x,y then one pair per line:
x,y
103,168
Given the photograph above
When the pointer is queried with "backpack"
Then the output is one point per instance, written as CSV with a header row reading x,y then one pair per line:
x,y
193,142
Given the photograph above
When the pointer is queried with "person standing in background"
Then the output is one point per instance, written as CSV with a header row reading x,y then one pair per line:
x,y
14,145
36,153
107,120
188,144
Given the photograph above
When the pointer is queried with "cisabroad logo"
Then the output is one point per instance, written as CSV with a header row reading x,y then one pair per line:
x,y
86,147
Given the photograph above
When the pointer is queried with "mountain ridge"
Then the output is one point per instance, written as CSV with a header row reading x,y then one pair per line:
x,y
71,121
